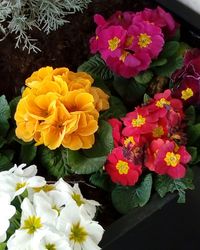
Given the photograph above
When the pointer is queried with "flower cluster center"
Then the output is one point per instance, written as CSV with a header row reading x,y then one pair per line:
x,y
162,102
129,140
187,93
50,246
113,43
32,224
122,167
139,121
158,131
172,159
20,185
144,40
78,233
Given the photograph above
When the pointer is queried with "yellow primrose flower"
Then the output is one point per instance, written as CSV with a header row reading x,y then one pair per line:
x,y
59,107
100,99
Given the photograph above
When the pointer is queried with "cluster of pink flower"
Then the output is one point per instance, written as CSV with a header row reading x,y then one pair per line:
x,y
151,137
187,79
128,41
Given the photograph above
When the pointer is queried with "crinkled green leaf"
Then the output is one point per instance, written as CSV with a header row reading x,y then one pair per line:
x,y
2,246
117,109
190,115
126,198
97,68
81,164
28,153
173,64
193,134
170,49
13,104
4,115
144,77
103,141
102,180
6,157
193,151
55,161
158,62
164,184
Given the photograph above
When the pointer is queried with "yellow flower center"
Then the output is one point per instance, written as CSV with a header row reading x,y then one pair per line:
x,y
20,185
172,159
77,197
139,121
46,188
56,208
162,102
157,132
113,43
78,234
144,40
128,140
123,55
50,246
129,41
32,224
187,93
122,167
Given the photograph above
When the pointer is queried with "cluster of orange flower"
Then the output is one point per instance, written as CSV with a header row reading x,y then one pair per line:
x,y
60,107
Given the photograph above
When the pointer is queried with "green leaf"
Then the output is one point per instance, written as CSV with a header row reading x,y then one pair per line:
x,y
170,49
13,105
164,184
28,153
81,164
117,109
2,246
172,64
4,115
190,115
102,180
55,161
5,161
2,141
193,133
103,141
158,62
194,153
144,77
97,68
131,91
146,98
126,198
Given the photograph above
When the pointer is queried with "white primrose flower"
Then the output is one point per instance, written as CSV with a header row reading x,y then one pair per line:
x,y
54,241
6,212
74,193
82,234
32,229
17,179
49,204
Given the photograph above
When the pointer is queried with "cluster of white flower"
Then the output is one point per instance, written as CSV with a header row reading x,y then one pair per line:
x,y
45,216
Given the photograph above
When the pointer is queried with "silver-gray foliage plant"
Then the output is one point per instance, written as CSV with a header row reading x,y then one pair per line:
x,y
21,16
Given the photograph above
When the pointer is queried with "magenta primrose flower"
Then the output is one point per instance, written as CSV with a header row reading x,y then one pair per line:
x,y
128,41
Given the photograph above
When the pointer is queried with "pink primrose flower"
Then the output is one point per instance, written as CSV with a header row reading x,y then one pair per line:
x,y
166,157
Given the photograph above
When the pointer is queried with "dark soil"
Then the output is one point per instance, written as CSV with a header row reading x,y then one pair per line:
x,y
66,47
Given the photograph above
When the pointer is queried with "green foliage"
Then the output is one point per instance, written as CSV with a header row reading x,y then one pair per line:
x,y
55,161
144,77
81,164
169,60
164,184
126,198
4,116
117,109
28,152
97,68
193,134
2,246
190,115
21,16
103,141
102,180
130,91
